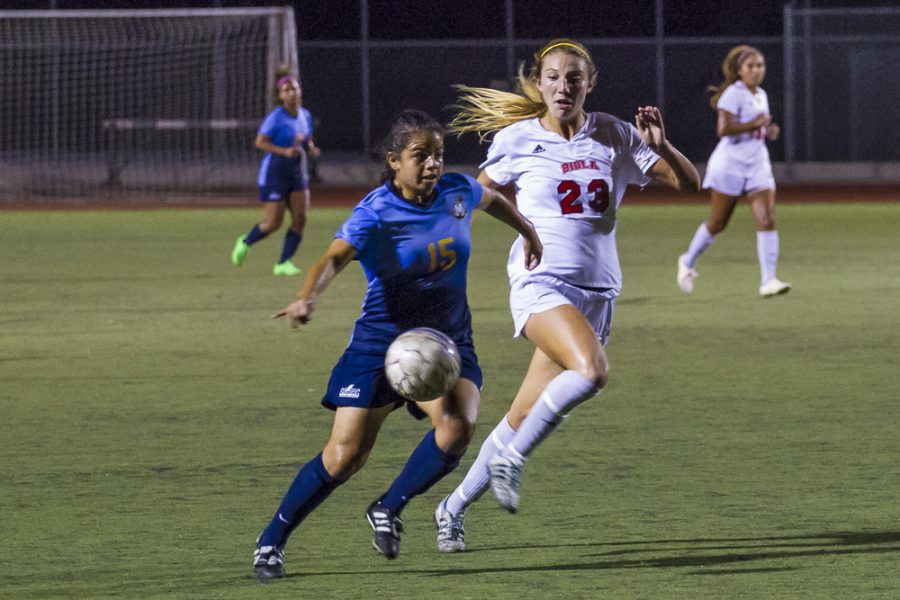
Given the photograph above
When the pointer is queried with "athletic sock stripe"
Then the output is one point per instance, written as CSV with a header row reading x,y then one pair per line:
x,y
545,397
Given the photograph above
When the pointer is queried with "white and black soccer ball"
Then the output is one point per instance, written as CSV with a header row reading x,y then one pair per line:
x,y
422,364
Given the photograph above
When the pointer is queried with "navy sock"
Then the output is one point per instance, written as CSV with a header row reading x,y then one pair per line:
x,y
292,241
426,466
311,486
254,236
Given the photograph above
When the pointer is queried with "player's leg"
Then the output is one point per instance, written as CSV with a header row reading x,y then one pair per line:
x,y
450,513
721,208
453,419
299,207
762,206
273,214
352,437
541,372
567,338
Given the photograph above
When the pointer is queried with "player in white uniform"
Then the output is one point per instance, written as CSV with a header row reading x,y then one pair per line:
x,y
740,166
570,170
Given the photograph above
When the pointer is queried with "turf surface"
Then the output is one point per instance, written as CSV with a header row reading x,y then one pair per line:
x,y
153,415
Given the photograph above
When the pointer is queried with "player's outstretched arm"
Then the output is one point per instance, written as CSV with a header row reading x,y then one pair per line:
x,y
336,257
495,204
672,168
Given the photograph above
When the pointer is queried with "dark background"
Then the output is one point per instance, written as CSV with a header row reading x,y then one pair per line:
x,y
703,31
399,19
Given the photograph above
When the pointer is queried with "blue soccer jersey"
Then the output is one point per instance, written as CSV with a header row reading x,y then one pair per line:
x,y
415,259
284,130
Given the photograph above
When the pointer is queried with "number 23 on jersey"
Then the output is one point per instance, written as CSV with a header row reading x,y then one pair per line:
x,y
597,192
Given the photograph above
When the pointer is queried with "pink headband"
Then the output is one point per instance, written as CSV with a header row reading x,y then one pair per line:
x,y
285,79
743,56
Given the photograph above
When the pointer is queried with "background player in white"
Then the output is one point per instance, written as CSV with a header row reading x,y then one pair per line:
x,y
570,170
740,166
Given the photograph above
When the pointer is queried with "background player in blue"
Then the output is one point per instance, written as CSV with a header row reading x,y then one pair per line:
x,y
411,236
286,136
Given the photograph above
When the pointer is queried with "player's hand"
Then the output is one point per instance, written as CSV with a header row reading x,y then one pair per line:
x,y
649,123
312,150
772,131
534,250
291,152
298,313
761,121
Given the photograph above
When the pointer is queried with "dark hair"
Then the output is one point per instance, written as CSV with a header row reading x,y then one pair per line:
x,y
281,71
409,123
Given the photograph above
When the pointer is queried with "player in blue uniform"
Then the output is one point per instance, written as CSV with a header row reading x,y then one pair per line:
x,y
411,236
286,136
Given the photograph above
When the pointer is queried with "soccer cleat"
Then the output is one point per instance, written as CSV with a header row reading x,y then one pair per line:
x,y
286,269
387,527
774,287
239,252
451,529
686,276
268,563
506,481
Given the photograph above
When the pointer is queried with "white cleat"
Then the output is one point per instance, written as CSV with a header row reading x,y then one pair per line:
x,y
774,287
686,276
506,481
451,529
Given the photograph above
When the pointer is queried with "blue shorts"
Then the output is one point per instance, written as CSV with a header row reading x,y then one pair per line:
x,y
358,380
278,189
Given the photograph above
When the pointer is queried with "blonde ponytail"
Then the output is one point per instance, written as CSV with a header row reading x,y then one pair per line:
x,y
485,111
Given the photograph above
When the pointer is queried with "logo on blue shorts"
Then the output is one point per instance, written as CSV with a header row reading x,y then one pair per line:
x,y
351,391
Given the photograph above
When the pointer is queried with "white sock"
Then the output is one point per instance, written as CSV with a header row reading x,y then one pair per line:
x,y
767,250
564,392
700,242
476,481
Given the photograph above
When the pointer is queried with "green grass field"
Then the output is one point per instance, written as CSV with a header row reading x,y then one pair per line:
x,y
153,415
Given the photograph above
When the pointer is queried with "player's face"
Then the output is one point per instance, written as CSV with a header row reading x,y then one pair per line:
x,y
290,94
418,168
565,83
753,70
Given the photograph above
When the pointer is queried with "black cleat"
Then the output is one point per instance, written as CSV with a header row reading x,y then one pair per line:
x,y
387,527
268,563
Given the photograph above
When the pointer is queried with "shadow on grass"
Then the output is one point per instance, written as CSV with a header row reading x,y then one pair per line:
x,y
706,552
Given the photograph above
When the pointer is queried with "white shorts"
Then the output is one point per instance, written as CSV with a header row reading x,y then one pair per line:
x,y
538,293
734,184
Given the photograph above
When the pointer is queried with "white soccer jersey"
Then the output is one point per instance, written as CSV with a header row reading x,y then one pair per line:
x,y
571,191
744,153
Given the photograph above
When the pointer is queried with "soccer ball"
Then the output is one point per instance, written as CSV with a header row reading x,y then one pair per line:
x,y
422,364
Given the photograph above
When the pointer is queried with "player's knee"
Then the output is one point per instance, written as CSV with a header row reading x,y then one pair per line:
x,y
457,430
268,226
766,223
597,372
715,227
342,460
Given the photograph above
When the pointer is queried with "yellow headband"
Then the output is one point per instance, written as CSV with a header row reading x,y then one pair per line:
x,y
571,45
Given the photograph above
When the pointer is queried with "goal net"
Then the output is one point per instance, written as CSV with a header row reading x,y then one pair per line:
x,y
136,102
